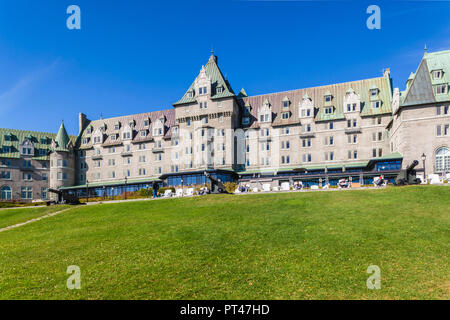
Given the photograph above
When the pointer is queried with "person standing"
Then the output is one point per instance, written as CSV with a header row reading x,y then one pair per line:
x,y
155,187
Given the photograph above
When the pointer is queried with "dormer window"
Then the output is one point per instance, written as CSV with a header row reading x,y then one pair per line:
x,y
143,133
373,92
264,118
146,123
202,90
116,127
306,113
97,139
191,94
286,102
437,74
329,110
351,107
89,130
245,120
85,140
285,115
157,132
219,89
376,104
113,137
265,112
441,89
126,135
328,98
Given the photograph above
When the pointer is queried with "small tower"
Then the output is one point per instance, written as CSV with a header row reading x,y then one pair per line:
x,y
62,161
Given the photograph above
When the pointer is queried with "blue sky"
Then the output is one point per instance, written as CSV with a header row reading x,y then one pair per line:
x,y
137,56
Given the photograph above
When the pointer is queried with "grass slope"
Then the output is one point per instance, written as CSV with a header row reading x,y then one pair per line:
x,y
13,216
314,245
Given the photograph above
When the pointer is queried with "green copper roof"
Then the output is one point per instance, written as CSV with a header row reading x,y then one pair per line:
x,y
217,80
347,165
421,90
113,183
62,139
11,139
242,93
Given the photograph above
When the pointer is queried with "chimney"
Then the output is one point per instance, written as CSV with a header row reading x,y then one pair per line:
x,y
82,120
387,73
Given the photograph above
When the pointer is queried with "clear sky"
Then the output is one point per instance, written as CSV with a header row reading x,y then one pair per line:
x,y
137,55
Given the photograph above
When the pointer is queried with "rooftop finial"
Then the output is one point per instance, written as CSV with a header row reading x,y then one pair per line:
x,y
425,49
212,57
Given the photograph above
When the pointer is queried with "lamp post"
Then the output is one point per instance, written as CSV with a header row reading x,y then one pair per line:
x,y
424,157
181,186
87,191
104,193
147,191
112,193
126,179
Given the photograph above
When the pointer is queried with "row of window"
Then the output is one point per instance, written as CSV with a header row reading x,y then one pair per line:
x,y
328,141
26,151
443,130
328,156
26,193
307,112
8,137
442,110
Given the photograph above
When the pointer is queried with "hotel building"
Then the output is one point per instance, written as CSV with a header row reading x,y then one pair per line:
x,y
355,130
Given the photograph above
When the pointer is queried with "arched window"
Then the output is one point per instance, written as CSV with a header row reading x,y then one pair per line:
x,y
6,193
443,160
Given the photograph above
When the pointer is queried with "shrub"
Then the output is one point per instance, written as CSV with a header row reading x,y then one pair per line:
x,y
145,192
230,187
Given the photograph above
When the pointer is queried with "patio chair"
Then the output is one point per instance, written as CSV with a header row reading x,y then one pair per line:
x,y
190,192
285,186
167,194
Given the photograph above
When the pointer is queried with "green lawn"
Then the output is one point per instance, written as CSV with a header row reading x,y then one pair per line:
x,y
13,216
314,245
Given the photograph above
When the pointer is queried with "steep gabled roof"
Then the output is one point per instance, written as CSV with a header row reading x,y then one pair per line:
x,y
217,80
421,89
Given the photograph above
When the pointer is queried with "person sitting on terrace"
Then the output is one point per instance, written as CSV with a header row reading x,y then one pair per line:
x,y
343,183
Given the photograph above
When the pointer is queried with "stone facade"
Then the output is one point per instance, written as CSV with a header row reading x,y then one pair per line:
x,y
421,117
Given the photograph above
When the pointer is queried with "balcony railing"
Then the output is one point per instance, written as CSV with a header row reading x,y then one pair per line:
x,y
353,130
126,154
307,135
157,150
